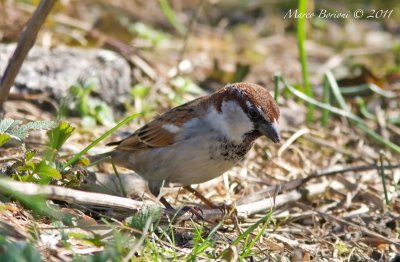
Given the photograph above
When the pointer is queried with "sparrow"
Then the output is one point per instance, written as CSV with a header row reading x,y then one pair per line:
x,y
200,140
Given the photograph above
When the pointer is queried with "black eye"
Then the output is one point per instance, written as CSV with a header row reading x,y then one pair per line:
x,y
253,113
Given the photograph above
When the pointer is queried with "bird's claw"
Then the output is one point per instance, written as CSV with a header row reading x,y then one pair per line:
x,y
227,209
194,211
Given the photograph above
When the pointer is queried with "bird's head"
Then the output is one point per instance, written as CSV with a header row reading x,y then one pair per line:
x,y
244,109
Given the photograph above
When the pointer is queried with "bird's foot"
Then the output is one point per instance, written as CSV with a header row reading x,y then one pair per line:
x,y
195,211
227,209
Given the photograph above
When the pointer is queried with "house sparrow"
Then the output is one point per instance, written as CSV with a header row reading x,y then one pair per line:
x,y
199,140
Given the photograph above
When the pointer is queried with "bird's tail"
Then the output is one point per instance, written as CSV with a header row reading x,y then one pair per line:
x,y
100,158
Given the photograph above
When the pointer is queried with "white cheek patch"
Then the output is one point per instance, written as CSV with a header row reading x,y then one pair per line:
x,y
232,121
216,120
171,128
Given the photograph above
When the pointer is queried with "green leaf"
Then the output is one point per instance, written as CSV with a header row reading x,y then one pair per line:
x,y
92,110
4,138
140,91
148,33
139,220
28,166
88,121
22,131
7,124
18,251
29,154
60,134
75,90
38,125
19,132
104,114
91,84
241,72
37,203
27,178
44,170
186,85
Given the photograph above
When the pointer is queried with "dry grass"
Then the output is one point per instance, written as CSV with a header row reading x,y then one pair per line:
x,y
344,215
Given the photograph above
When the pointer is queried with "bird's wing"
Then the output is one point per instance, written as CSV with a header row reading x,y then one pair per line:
x,y
162,131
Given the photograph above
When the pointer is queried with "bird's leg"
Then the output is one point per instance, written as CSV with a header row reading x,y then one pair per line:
x,y
155,190
225,209
195,211
201,197
166,204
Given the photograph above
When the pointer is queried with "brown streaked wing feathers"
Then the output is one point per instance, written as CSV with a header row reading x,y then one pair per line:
x,y
153,134
149,136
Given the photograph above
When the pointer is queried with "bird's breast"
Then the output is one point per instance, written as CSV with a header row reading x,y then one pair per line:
x,y
225,150
192,161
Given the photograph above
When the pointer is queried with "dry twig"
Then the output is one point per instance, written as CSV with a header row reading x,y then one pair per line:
x,y
25,43
89,198
301,181
243,211
71,195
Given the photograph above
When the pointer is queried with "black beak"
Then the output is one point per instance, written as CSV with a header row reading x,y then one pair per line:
x,y
270,130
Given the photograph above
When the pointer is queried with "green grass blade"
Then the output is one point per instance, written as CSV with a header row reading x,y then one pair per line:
x,y
120,183
257,237
326,96
381,172
98,140
277,76
357,120
336,91
365,88
250,230
301,39
376,89
171,16
362,107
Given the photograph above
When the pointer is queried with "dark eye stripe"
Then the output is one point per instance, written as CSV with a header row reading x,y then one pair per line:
x,y
253,113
